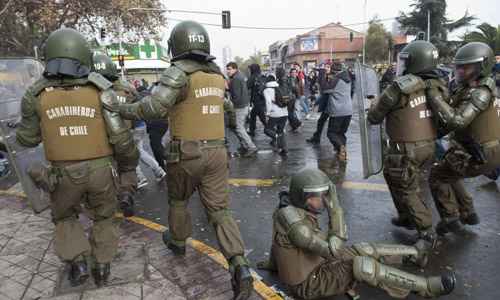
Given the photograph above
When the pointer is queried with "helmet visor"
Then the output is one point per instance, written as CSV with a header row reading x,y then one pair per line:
x,y
315,198
402,63
467,72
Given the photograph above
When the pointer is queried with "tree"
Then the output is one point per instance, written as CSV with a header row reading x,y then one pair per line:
x,y
378,42
244,63
487,34
27,23
440,25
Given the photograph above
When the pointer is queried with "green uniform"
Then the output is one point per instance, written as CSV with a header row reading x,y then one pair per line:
x,y
67,116
316,264
126,93
192,95
473,115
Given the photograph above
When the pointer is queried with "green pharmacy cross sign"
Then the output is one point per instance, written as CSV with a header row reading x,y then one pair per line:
x,y
148,49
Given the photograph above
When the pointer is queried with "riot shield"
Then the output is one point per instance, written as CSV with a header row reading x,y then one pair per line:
x,y
16,75
367,86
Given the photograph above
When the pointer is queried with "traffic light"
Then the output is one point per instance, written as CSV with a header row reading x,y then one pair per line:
x,y
226,19
121,60
103,33
351,36
421,36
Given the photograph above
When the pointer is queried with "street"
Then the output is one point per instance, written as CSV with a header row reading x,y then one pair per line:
x,y
367,205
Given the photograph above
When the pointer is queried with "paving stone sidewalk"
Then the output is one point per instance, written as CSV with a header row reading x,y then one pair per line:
x,y
143,268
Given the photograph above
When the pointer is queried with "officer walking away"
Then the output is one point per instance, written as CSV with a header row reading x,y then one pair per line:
x,y
125,93
67,110
256,85
472,116
241,100
411,132
191,94
316,264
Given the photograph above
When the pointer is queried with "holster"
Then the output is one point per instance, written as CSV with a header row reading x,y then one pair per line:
x,y
397,167
44,177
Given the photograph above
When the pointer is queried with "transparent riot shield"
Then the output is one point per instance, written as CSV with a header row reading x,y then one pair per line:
x,y
16,75
367,86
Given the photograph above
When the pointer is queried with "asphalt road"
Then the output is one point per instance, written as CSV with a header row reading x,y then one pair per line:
x,y
367,205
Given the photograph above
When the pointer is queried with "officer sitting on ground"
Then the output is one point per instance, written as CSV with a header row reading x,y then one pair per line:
x,y
64,110
315,264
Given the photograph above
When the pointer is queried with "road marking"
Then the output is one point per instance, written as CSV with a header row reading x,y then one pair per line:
x,y
367,186
251,182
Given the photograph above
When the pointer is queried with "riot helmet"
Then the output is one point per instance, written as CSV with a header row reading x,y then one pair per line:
x,y
103,65
472,61
67,53
307,184
189,39
416,58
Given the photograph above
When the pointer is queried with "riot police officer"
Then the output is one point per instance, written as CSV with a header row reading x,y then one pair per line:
x,y
191,92
65,111
126,93
315,264
472,115
411,132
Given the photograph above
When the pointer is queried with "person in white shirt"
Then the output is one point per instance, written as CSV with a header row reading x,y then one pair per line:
x,y
277,112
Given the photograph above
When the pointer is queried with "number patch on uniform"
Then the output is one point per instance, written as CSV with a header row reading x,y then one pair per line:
x,y
210,109
122,99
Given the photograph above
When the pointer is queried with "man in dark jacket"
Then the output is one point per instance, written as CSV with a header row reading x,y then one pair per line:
x,y
240,98
256,84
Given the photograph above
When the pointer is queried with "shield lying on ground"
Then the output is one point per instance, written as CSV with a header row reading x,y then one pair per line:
x,y
16,75
366,90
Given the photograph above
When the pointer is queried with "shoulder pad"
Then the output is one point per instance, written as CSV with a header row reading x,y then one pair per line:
x,y
38,86
409,84
109,99
174,77
489,83
290,215
99,81
481,97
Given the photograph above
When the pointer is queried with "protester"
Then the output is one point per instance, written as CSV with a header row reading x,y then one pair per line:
x,y
277,111
256,84
322,102
296,90
241,100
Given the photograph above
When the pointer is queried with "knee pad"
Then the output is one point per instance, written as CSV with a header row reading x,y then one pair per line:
x,y
365,269
365,249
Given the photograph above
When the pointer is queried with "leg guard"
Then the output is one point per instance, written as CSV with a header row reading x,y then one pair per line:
x,y
381,252
179,221
242,280
398,283
228,233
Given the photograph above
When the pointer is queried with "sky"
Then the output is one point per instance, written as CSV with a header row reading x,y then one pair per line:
x,y
302,13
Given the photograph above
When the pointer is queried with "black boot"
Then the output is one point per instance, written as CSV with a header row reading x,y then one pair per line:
x,y
78,273
449,281
176,249
101,273
126,201
403,222
449,225
470,219
242,283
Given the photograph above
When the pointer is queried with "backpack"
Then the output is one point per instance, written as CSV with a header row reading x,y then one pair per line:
x,y
258,88
279,99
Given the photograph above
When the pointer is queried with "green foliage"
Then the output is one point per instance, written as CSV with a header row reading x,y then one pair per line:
x,y
244,63
378,42
487,34
441,26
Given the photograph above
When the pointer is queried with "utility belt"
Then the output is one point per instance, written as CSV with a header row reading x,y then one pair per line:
x,y
187,150
48,177
409,146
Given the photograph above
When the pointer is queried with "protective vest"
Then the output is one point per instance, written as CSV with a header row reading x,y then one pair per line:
x,y
200,116
294,264
413,122
486,126
72,124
